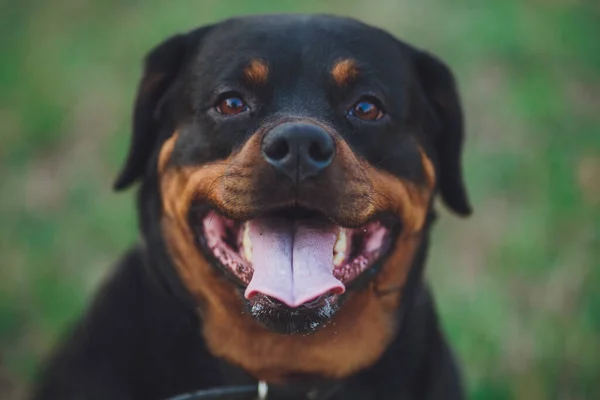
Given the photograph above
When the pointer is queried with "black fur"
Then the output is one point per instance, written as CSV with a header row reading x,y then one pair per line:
x,y
440,90
141,337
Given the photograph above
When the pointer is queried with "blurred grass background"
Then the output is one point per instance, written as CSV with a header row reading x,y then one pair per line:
x,y
518,284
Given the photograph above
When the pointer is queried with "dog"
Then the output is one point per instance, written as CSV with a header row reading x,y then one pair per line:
x,y
288,167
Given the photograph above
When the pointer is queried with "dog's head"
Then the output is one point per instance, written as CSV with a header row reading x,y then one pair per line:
x,y
296,159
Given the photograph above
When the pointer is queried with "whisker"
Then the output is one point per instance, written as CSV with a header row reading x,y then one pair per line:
x,y
382,195
212,184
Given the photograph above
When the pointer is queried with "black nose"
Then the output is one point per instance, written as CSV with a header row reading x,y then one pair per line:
x,y
298,150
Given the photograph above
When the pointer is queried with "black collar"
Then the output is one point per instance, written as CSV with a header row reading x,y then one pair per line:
x,y
263,391
239,385
221,393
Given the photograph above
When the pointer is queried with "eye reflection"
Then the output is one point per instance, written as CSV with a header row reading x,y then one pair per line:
x,y
232,105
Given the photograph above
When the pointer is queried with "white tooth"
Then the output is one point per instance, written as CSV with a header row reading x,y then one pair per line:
x,y
340,247
246,243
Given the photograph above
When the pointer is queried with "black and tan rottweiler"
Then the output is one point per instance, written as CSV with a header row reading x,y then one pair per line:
x,y
288,167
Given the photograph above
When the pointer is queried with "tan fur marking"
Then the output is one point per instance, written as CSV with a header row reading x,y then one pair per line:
x,y
429,169
403,198
257,71
166,151
344,71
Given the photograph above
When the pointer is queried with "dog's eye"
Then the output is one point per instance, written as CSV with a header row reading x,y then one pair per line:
x,y
367,110
231,105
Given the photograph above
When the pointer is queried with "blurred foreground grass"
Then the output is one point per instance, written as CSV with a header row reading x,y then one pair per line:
x,y
518,284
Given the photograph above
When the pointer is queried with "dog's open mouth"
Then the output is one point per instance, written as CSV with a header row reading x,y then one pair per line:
x,y
294,257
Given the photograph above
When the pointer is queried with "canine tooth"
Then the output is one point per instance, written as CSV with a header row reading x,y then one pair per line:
x,y
340,247
247,243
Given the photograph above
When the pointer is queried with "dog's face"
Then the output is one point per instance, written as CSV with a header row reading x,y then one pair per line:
x,y
296,159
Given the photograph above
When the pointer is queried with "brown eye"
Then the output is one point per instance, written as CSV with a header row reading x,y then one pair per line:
x,y
232,106
367,110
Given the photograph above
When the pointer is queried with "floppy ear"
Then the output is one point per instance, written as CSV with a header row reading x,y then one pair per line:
x,y
162,65
437,81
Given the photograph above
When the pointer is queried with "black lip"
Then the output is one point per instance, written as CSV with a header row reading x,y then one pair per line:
x,y
303,320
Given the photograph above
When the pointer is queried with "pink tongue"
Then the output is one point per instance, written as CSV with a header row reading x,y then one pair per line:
x,y
292,261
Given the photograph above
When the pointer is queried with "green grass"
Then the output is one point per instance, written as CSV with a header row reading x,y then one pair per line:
x,y
517,284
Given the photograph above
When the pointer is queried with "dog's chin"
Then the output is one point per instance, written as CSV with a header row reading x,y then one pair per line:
x,y
305,319
293,266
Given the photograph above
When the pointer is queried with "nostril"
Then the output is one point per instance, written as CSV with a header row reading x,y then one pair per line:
x,y
277,150
320,152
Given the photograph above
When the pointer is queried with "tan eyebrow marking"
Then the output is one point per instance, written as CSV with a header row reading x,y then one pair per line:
x,y
344,70
257,71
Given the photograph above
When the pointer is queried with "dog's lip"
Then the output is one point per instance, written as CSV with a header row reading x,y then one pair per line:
x,y
305,319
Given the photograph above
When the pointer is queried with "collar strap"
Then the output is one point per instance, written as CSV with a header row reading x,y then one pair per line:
x,y
261,391
245,392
